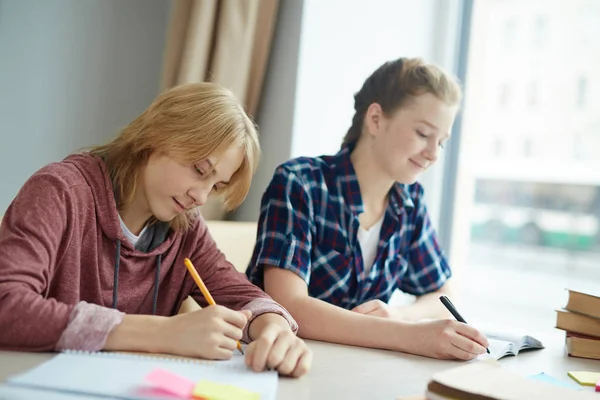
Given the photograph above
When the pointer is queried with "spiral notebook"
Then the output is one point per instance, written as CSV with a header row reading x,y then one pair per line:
x,y
122,376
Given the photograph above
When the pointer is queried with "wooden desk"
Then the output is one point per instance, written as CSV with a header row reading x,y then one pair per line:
x,y
344,372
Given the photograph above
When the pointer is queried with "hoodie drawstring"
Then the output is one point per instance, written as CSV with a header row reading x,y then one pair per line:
x,y
116,279
116,275
156,283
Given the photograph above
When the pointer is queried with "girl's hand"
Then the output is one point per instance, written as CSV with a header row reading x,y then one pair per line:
x,y
378,308
279,348
445,339
211,332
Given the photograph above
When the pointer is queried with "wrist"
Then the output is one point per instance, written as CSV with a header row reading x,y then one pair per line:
x,y
259,323
396,334
145,333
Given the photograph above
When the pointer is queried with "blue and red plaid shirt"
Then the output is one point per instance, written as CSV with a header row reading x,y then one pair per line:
x,y
309,225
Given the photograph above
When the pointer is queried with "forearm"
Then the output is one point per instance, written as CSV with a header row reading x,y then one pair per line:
x,y
425,307
138,333
320,320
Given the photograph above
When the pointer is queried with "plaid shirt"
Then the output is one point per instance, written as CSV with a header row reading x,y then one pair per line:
x,y
309,225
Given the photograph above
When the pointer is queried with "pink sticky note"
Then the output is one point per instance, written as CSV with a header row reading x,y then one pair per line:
x,y
598,385
169,382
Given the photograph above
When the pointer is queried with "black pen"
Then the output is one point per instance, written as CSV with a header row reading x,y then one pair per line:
x,y
448,304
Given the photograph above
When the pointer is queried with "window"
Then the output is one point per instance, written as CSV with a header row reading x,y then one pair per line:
x,y
503,95
532,94
581,91
527,147
509,34
498,147
578,151
539,31
534,212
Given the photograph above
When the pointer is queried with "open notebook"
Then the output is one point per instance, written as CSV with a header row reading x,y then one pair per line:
x,y
123,375
502,345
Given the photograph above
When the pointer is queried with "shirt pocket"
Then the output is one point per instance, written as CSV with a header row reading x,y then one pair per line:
x,y
334,243
333,266
335,254
399,266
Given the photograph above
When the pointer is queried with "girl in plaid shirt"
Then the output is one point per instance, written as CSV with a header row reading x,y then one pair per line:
x,y
338,234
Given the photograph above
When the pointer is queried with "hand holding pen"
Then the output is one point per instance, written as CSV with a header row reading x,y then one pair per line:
x,y
448,304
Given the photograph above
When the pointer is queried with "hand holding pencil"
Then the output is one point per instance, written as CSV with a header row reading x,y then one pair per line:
x,y
203,289
275,346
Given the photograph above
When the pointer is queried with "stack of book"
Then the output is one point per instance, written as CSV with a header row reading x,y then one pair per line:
x,y
580,318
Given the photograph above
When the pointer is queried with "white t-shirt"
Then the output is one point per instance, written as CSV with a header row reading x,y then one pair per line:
x,y
369,241
130,235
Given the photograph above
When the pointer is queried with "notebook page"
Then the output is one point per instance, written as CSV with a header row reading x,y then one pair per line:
x,y
123,376
518,337
12,392
528,342
499,348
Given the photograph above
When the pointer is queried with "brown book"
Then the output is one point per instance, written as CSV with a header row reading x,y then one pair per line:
x,y
483,380
583,303
583,346
578,323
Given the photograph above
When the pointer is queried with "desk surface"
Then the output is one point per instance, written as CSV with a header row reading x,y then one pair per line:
x,y
344,372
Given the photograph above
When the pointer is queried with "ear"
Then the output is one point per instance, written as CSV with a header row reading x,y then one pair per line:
x,y
374,119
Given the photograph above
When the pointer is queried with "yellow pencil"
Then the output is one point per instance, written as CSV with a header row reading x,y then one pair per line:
x,y
203,289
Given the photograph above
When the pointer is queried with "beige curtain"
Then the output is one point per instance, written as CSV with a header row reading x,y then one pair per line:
x,y
222,41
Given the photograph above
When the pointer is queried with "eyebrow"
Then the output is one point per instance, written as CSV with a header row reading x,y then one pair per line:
x,y
447,135
429,124
213,169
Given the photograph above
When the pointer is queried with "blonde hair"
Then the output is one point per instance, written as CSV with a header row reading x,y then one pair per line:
x,y
397,82
188,123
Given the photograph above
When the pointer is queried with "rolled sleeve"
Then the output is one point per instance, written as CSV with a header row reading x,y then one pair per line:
x,y
262,306
428,269
89,327
284,229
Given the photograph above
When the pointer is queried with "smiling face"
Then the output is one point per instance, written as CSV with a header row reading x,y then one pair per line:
x,y
408,142
169,188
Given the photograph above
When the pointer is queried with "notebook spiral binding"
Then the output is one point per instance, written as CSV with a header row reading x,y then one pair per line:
x,y
148,356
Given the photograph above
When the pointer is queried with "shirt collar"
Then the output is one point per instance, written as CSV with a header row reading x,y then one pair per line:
x,y
400,199
347,181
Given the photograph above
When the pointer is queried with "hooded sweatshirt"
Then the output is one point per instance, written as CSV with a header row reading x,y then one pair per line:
x,y
68,274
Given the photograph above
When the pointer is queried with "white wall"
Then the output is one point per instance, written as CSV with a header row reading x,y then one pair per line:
x,y
341,43
275,116
72,73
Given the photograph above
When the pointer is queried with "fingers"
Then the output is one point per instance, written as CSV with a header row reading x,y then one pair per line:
x,y
380,312
460,354
473,334
228,344
259,350
283,351
235,318
249,354
368,307
221,353
279,351
231,331
297,360
304,364
247,313
466,349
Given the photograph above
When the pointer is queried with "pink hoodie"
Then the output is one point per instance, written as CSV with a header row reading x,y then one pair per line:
x,y
65,263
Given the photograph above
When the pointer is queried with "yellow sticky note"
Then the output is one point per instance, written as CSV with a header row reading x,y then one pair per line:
x,y
208,390
585,378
